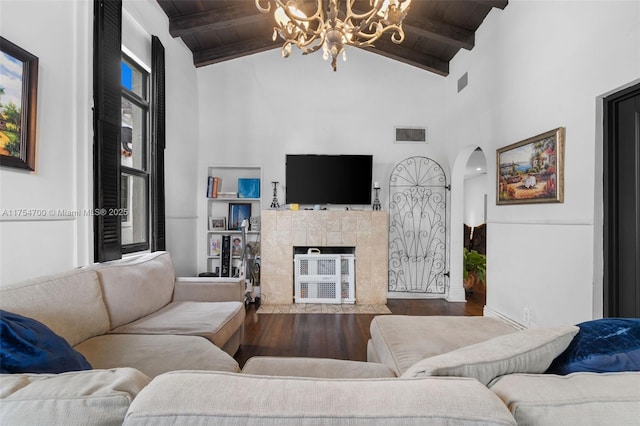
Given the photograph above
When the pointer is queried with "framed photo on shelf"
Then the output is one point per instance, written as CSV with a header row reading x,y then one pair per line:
x,y
236,246
237,213
532,170
215,245
217,223
19,76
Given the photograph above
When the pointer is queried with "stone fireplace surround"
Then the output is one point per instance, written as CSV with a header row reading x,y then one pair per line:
x,y
282,230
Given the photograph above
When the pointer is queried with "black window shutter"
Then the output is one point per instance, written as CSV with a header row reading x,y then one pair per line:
x,y
107,123
158,145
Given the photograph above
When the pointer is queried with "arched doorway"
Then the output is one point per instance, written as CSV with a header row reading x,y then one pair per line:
x,y
458,170
475,227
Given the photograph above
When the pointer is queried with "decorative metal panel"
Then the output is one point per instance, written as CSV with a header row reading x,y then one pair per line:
x,y
417,231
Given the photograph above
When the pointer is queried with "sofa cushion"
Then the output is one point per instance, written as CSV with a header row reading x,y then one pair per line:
x,y
575,399
155,355
528,351
99,397
69,303
216,321
197,397
136,286
400,341
315,367
603,345
28,346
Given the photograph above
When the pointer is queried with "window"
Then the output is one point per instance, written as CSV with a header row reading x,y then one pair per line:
x,y
134,157
129,142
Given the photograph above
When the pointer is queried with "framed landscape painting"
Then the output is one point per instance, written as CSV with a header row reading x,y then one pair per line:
x,y
532,170
18,88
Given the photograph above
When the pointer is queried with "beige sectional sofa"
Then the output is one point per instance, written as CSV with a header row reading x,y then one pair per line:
x,y
435,371
510,363
132,313
155,364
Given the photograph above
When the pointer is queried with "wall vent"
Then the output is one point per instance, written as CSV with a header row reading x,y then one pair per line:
x,y
463,81
411,135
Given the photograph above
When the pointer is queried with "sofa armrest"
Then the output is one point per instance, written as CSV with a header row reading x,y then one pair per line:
x,y
209,289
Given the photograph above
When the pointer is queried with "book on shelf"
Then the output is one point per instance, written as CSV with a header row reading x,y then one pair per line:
x,y
225,256
213,185
227,194
209,186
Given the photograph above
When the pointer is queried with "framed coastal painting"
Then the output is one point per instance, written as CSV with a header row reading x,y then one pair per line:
x,y
18,92
532,170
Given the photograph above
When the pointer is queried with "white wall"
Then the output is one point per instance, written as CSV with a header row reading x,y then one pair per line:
x,y
537,66
475,189
32,246
255,110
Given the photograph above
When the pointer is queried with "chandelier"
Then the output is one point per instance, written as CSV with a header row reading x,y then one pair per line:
x,y
339,29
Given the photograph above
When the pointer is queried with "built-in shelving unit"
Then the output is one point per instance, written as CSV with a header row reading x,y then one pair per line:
x,y
215,221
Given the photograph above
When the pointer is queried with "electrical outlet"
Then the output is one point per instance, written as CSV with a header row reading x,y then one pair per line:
x,y
526,317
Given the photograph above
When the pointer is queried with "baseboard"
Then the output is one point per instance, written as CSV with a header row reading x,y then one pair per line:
x,y
488,312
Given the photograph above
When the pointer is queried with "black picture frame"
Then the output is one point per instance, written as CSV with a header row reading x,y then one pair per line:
x,y
18,122
237,213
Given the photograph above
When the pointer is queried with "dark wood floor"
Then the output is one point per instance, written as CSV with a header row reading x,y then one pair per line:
x,y
339,336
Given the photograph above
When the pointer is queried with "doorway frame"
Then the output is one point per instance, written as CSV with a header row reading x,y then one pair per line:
x,y
456,289
604,293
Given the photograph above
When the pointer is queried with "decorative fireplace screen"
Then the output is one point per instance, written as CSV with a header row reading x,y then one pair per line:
x,y
324,278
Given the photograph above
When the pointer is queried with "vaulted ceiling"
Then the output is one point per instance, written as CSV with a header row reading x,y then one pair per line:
x,y
219,30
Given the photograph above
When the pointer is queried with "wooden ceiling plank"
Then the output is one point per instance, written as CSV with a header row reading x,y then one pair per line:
x,y
212,20
232,51
438,30
243,19
411,57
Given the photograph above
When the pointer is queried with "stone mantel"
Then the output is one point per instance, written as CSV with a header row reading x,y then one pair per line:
x,y
282,230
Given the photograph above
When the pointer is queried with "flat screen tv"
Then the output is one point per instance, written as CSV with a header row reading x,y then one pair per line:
x,y
328,179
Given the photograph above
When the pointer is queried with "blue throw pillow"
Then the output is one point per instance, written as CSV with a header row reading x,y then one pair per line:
x,y
28,346
601,346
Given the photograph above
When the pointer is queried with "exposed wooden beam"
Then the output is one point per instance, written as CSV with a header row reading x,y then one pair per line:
x,y
411,57
233,51
217,19
438,30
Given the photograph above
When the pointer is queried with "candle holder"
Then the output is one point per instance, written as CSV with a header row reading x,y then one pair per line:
x,y
274,203
376,200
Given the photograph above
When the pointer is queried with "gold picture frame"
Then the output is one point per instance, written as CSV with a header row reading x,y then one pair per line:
x,y
532,170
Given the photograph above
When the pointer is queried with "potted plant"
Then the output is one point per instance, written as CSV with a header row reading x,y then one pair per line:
x,y
474,268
